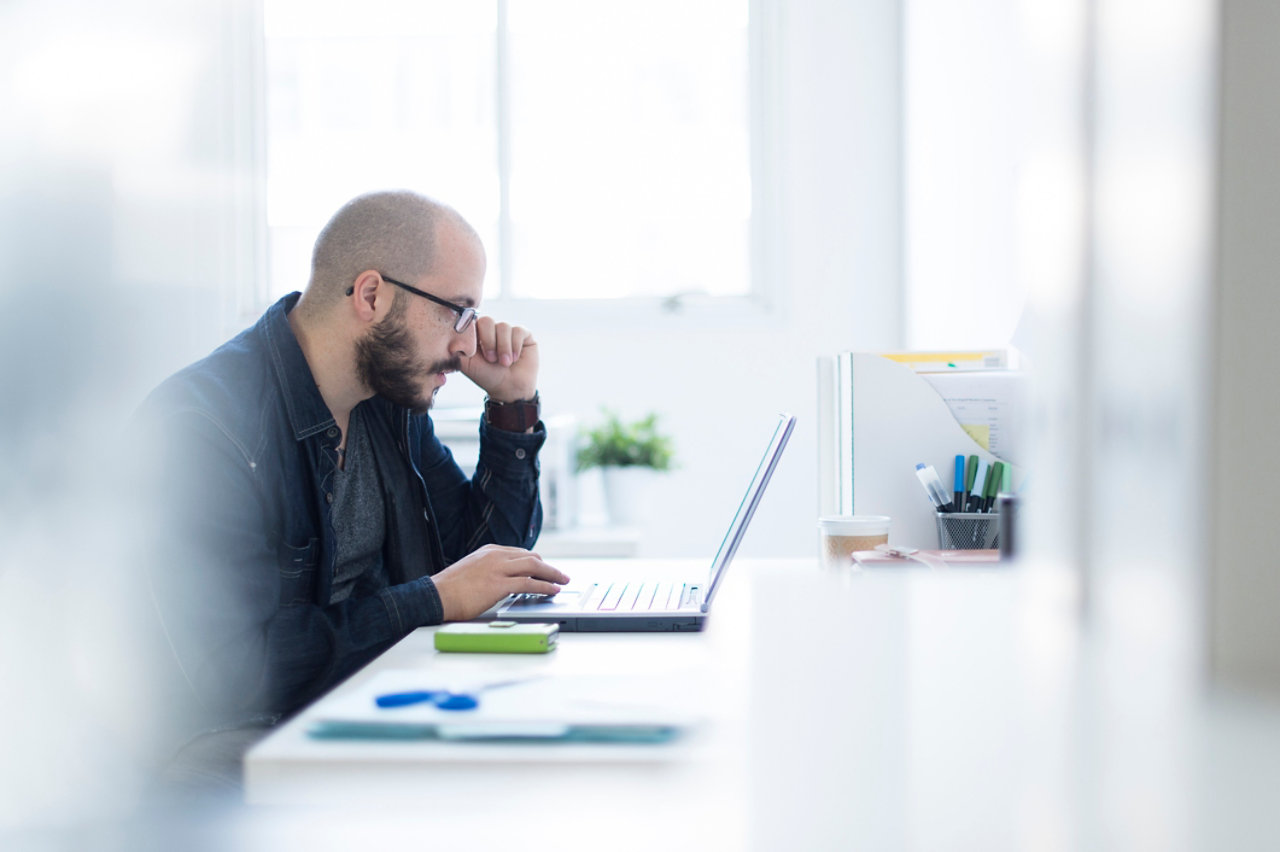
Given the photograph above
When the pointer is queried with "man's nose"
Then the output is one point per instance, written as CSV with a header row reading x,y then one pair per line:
x,y
464,343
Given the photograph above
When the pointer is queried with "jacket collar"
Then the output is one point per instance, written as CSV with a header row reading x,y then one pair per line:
x,y
308,413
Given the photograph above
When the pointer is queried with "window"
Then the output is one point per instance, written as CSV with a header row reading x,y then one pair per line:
x,y
603,150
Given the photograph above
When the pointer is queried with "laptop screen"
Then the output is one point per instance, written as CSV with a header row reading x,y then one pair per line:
x,y
747,508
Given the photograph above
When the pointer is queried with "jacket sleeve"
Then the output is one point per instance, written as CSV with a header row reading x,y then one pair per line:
x,y
235,598
498,505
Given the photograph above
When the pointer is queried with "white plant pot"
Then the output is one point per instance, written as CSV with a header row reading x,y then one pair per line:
x,y
627,493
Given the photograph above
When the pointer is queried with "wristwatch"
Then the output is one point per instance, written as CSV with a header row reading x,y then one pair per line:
x,y
518,416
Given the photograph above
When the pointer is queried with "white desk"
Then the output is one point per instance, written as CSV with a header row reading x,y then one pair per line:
x,y
962,709
697,782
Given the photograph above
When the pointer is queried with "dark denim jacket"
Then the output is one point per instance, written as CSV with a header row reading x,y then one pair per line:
x,y
243,450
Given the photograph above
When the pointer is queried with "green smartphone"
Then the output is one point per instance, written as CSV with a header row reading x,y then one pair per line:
x,y
497,637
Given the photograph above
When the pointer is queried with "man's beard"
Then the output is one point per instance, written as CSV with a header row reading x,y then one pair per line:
x,y
386,364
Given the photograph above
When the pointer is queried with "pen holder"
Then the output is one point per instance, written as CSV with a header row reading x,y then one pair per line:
x,y
968,531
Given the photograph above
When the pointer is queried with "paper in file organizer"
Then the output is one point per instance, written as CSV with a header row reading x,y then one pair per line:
x,y
532,706
991,406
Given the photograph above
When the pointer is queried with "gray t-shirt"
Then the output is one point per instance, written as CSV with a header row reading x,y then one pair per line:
x,y
359,518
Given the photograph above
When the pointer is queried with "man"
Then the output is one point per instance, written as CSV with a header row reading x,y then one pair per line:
x,y
311,517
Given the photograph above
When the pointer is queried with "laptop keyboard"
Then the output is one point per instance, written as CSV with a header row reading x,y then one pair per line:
x,y
641,596
630,597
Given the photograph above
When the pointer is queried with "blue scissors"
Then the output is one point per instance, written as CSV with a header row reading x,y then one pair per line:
x,y
443,699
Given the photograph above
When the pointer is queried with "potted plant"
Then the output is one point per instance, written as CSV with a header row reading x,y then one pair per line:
x,y
629,454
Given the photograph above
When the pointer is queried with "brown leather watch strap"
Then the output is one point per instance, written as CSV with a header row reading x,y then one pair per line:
x,y
518,416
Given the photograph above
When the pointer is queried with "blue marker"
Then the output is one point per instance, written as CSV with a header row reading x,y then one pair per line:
x,y
958,488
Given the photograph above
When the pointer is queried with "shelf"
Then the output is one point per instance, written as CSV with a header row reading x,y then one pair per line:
x,y
596,542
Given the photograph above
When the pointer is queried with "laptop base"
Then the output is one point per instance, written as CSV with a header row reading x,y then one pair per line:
x,y
639,623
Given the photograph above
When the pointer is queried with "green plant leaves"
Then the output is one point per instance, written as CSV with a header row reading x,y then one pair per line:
x,y
618,444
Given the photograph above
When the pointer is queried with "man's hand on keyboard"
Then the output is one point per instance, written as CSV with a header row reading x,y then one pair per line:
x,y
479,580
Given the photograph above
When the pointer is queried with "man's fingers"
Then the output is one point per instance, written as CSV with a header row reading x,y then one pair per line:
x,y
530,586
531,565
502,343
489,344
485,339
520,338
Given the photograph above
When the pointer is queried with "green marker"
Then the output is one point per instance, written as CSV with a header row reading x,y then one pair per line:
x,y
995,474
970,473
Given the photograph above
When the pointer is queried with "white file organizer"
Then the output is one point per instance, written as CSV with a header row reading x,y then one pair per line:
x,y
878,419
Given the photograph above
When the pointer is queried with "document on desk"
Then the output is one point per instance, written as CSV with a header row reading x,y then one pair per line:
x,y
567,708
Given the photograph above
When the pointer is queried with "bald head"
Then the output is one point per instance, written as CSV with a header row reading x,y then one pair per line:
x,y
396,233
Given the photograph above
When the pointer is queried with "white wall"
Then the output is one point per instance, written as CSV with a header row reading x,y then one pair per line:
x,y
970,100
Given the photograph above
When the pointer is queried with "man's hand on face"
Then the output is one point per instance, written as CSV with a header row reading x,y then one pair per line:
x,y
479,580
506,361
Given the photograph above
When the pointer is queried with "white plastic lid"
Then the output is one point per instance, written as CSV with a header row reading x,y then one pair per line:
x,y
854,524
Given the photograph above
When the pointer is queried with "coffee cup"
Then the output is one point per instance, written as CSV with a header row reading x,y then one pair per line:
x,y
843,534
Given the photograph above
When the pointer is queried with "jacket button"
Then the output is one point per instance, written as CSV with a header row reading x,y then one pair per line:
x,y
333,432
520,453
328,498
426,516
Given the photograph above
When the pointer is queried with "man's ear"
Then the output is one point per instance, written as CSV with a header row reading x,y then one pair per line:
x,y
364,293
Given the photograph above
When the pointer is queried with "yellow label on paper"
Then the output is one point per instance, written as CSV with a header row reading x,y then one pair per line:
x,y
979,432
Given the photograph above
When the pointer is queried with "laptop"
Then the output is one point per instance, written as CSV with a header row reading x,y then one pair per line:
x,y
633,600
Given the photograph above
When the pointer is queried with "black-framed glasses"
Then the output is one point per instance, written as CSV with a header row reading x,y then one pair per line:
x,y
466,315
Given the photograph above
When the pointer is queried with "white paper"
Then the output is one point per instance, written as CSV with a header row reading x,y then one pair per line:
x,y
991,406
